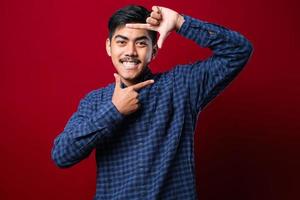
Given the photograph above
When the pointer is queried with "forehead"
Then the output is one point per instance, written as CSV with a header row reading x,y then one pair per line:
x,y
131,33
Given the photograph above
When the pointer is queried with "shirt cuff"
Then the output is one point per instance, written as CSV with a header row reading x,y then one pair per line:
x,y
191,24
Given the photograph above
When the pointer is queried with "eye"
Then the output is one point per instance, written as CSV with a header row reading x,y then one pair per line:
x,y
142,43
121,42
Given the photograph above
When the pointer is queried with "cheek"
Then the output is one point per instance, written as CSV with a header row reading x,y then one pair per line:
x,y
116,52
147,56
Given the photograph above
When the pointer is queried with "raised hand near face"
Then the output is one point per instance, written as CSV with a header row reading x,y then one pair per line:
x,y
163,20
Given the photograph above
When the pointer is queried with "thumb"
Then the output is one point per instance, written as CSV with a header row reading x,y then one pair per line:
x,y
118,81
161,39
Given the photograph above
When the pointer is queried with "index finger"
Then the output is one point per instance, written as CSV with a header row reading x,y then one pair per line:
x,y
142,85
141,26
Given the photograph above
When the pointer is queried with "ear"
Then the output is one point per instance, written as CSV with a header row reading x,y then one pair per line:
x,y
108,49
154,51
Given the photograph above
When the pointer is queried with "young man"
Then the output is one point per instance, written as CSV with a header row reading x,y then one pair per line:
x,y
142,126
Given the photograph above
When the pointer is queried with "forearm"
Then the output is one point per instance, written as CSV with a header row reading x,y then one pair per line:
x,y
83,132
228,45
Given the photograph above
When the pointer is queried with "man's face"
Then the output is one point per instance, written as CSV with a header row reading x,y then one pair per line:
x,y
131,50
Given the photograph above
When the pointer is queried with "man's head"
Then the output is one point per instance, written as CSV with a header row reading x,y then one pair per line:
x,y
131,50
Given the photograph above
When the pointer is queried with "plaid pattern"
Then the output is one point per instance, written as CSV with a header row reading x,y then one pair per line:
x,y
150,154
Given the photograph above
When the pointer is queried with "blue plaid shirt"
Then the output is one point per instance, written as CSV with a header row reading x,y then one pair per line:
x,y
150,153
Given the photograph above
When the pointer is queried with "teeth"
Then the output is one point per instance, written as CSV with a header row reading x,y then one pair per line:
x,y
130,65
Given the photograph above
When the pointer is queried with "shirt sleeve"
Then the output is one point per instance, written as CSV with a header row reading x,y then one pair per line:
x,y
206,79
85,129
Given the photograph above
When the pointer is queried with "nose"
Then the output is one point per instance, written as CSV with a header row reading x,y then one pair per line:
x,y
131,49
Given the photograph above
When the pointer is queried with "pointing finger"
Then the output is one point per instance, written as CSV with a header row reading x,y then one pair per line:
x,y
142,84
141,26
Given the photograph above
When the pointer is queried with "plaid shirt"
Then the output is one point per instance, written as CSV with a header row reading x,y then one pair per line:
x,y
150,153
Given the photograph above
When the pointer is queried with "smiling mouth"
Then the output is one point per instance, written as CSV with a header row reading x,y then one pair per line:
x,y
130,63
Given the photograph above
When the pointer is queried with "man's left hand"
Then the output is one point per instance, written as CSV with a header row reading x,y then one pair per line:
x,y
163,20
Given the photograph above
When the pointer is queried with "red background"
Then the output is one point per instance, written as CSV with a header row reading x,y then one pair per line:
x,y
52,54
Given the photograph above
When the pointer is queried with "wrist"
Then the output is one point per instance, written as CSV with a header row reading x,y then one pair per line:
x,y
116,105
179,21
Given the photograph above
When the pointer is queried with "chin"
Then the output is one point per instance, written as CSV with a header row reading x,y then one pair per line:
x,y
131,78
131,74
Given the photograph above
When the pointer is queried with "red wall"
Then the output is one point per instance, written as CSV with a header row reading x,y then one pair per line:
x,y
52,54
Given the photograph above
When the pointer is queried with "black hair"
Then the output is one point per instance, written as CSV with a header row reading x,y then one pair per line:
x,y
130,14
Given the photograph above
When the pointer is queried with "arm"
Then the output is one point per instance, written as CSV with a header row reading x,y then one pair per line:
x,y
208,78
87,126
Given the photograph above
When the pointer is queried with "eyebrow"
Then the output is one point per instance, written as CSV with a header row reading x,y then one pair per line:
x,y
136,39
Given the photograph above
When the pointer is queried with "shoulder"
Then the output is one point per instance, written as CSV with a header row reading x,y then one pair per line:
x,y
98,94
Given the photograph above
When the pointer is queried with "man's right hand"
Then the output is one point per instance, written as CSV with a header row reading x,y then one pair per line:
x,y
126,100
